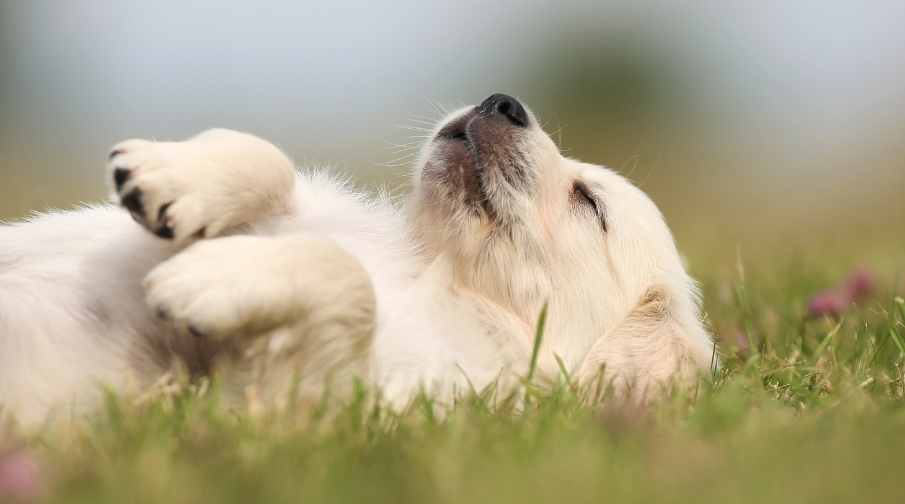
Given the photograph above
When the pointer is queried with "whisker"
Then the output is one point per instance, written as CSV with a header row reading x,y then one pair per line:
x,y
414,128
398,162
439,108
407,145
425,122
427,119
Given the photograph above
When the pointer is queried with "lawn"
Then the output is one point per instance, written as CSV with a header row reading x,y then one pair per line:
x,y
804,408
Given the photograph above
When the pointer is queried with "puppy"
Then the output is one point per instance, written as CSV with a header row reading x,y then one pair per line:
x,y
295,284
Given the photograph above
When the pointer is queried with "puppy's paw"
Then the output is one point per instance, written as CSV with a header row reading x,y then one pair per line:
x,y
220,288
203,187
162,185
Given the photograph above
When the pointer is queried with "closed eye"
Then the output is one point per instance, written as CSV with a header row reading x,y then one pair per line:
x,y
583,197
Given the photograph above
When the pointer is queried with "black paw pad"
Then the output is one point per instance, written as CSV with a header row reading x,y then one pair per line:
x,y
165,232
132,202
162,212
120,177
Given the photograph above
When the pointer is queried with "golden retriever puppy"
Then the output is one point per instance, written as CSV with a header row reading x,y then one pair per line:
x,y
295,283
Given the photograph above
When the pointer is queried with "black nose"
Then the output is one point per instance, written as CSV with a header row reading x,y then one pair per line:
x,y
505,106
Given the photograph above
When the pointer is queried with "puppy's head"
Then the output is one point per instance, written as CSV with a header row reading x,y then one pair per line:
x,y
523,225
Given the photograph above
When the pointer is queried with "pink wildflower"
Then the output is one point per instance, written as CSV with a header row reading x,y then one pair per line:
x,y
833,302
19,478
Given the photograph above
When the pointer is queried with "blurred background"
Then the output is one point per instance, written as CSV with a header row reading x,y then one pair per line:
x,y
759,127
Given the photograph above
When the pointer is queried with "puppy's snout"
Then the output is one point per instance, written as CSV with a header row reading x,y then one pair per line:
x,y
506,107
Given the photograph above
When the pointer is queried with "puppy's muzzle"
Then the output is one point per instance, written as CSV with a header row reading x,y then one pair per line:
x,y
477,149
497,107
504,106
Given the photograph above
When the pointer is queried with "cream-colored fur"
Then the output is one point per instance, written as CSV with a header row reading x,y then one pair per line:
x,y
293,282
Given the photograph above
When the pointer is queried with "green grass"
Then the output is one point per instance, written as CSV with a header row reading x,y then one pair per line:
x,y
810,411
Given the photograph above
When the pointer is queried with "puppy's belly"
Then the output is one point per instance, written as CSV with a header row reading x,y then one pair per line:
x,y
72,312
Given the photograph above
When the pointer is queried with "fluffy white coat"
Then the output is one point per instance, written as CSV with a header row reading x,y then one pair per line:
x,y
292,282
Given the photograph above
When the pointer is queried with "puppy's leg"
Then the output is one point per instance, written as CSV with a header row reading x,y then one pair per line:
x,y
647,354
201,187
287,307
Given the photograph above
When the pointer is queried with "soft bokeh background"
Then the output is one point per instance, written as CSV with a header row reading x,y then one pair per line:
x,y
772,135
759,127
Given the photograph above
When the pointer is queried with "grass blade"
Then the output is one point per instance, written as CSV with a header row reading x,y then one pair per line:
x,y
538,339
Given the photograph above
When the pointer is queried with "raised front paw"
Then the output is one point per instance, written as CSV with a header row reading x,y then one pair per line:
x,y
202,187
156,182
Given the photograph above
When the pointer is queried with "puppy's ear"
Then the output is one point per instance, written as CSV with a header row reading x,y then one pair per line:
x,y
648,352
